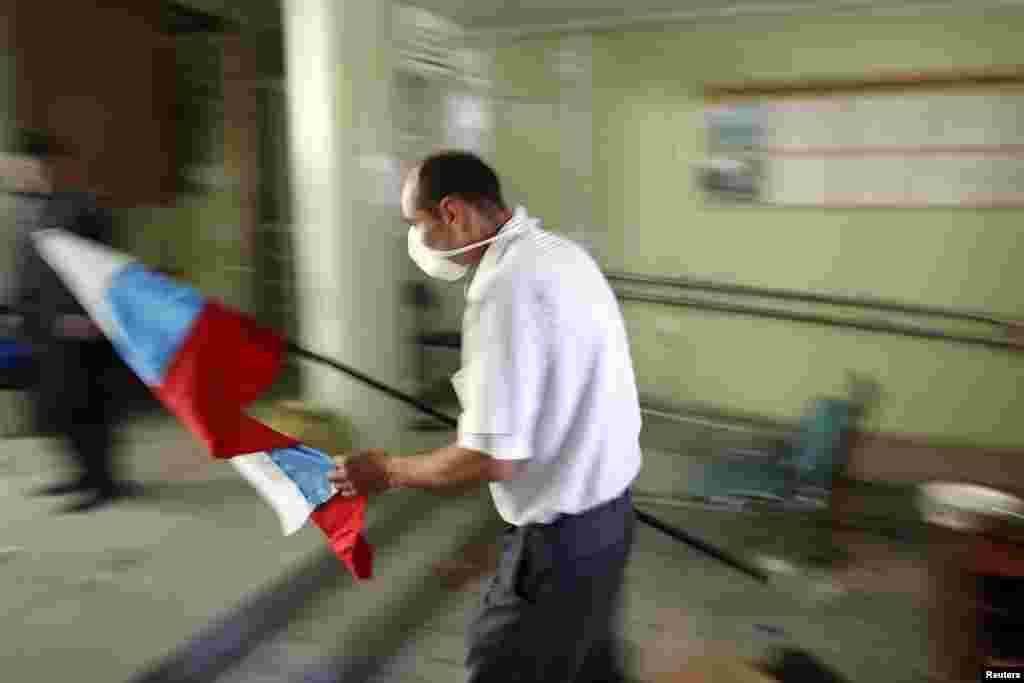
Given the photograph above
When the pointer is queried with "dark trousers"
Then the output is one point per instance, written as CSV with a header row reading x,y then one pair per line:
x,y
551,613
73,401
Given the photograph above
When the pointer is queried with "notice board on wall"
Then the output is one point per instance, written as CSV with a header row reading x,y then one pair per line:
x,y
910,140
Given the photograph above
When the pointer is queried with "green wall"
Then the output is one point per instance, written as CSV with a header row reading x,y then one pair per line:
x,y
199,234
527,145
647,133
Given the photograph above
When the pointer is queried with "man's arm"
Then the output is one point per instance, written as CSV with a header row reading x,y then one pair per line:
x,y
451,469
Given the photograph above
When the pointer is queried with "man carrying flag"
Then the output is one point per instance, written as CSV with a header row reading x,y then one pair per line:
x,y
550,420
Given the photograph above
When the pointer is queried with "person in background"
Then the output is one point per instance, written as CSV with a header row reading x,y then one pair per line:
x,y
550,420
71,397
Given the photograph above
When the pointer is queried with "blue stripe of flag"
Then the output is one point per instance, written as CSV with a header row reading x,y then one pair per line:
x,y
154,315
308,468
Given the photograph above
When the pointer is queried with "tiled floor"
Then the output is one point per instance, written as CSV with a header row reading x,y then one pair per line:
x,y
679,603
99,597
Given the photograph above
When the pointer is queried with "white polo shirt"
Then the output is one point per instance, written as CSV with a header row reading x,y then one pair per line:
x,y
547,377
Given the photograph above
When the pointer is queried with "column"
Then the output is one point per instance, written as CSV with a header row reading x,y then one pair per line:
x,y
350,246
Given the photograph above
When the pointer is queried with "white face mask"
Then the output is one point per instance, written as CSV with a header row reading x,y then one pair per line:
x,y
437,263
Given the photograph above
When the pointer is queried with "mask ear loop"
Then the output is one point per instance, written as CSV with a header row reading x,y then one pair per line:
x,y
470,247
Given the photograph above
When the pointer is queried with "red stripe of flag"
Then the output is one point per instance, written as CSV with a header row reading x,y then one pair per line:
x,y
341,519
223,365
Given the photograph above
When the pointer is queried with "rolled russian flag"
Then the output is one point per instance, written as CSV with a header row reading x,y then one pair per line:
x,y
206,363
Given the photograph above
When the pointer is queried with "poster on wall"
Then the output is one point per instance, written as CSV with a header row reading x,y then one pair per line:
x,y
734,171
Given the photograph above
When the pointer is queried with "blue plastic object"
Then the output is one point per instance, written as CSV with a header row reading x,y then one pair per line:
x,y
811,462
14,355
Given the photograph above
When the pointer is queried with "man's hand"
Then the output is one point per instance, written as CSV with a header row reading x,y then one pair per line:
x,y
362,474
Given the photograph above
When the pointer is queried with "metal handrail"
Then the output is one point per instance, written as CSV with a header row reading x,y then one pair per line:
x,y
810,297
794,316
720,424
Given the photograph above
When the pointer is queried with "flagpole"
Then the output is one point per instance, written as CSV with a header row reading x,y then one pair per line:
x,y
643,517
296,350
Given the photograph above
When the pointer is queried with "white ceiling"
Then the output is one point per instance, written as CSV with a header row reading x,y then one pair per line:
x,y
525,16
497,14
530,15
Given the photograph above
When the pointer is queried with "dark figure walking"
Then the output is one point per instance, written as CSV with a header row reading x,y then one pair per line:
x,y
72,397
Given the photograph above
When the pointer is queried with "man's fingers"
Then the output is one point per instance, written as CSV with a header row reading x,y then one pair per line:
x,y
358,481
341,479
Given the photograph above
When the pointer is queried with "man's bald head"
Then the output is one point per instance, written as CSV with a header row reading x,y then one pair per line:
x,y
452,174
455,199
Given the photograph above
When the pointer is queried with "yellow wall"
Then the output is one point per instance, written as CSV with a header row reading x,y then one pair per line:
x,y
647,104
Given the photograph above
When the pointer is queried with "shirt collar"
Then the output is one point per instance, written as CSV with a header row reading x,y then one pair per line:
x,y
478,274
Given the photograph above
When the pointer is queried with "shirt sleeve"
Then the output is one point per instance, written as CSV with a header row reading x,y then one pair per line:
x,y
501,382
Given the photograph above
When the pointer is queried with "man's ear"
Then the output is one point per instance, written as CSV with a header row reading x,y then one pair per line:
x,y
450,209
